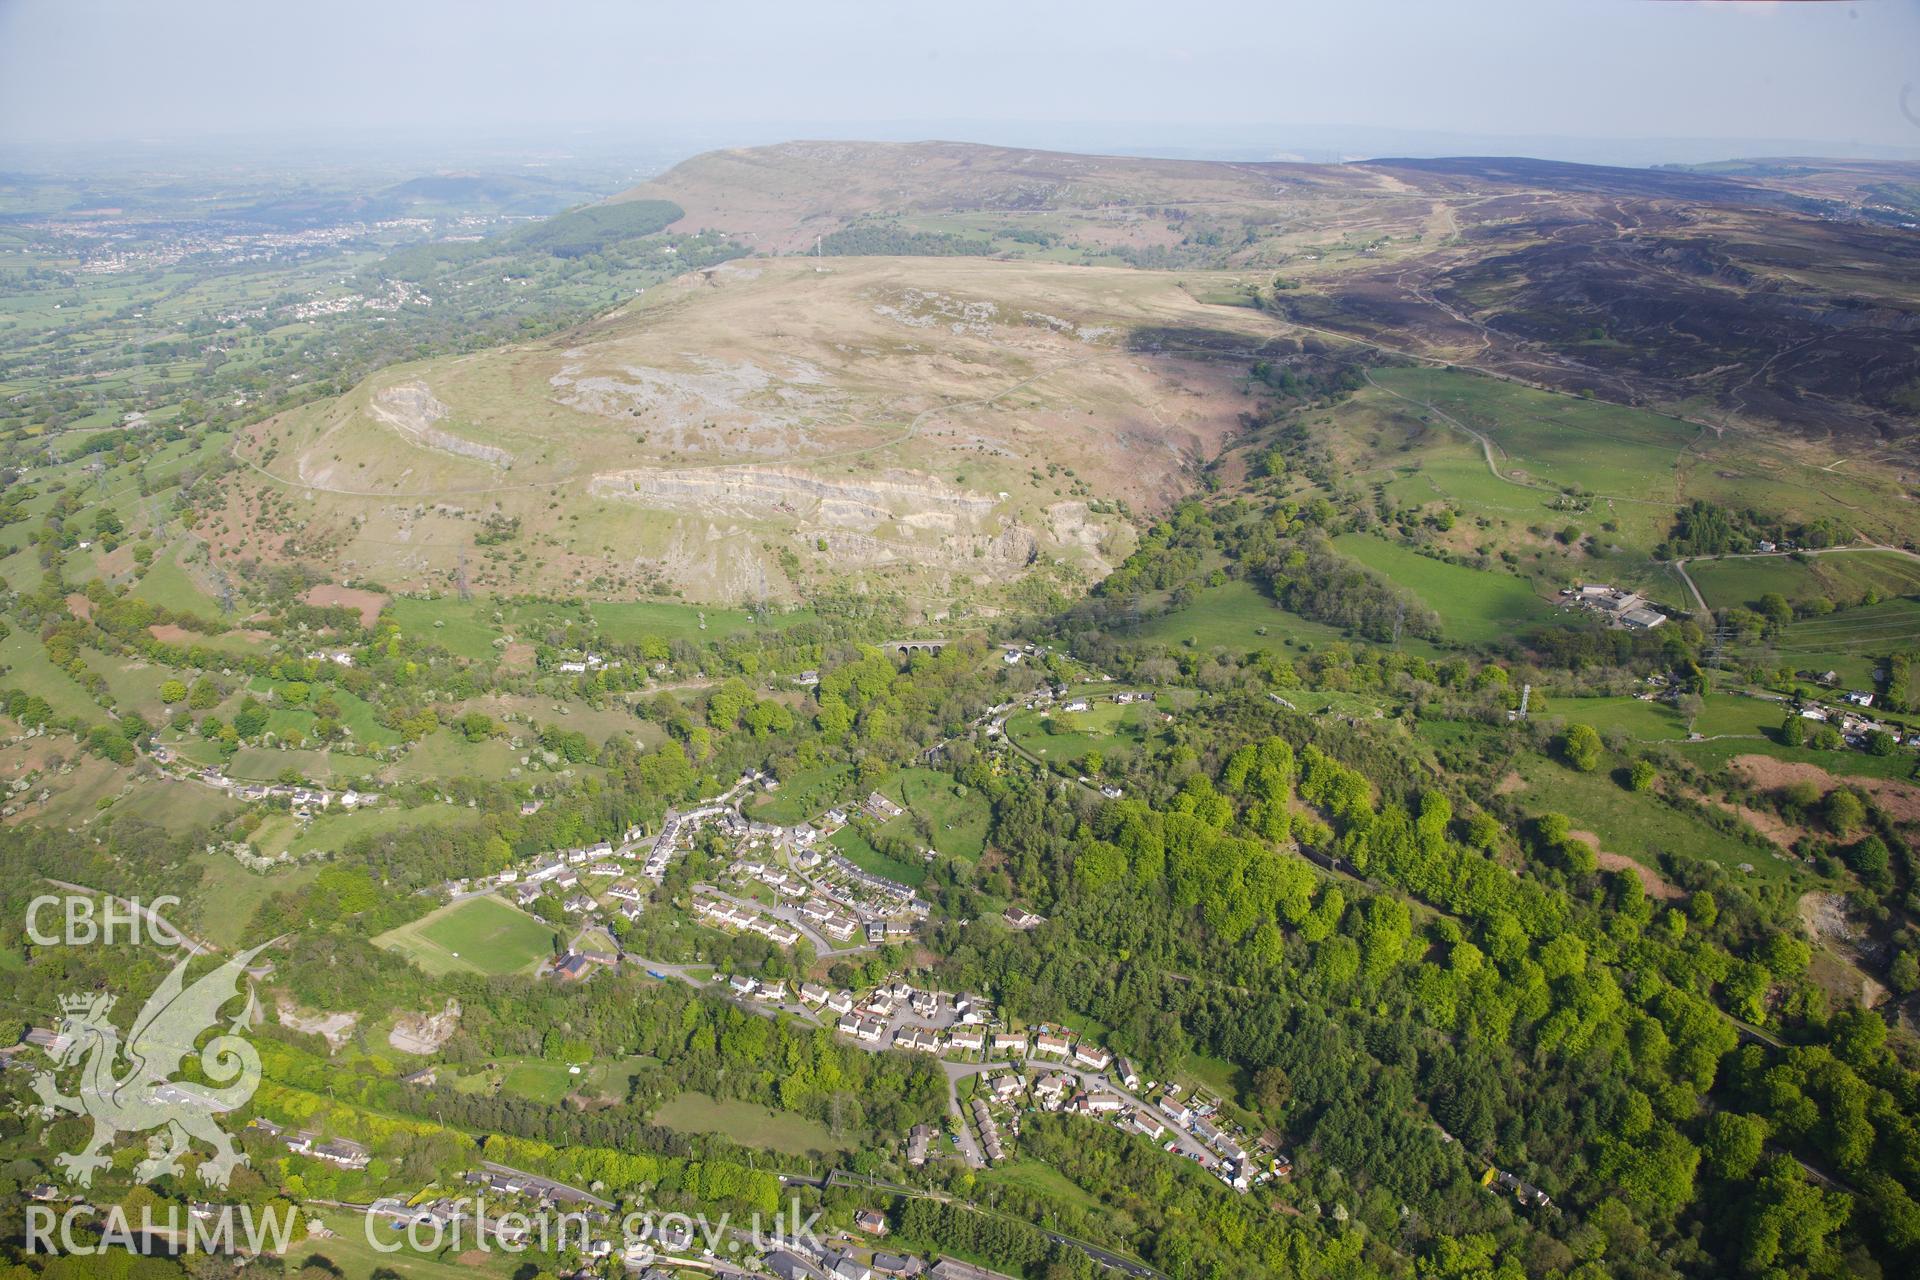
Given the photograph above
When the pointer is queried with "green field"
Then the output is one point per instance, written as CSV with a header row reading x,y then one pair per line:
x,y
1732,714
465,628
1616,473
236,641
859,851
1557,440
1234,616
266,764
534,1079
1451,468
282,833
470,628
29,668
1646,721
1476,606
956,818
749,1124
446,754
1900,766
167,582
547,1083
632,622
1640,824
613,1077
176,806
1218,1075
359,718
480,935
1721,715
229,893
348,1254
1035,1178
1843,577
1339,702
133,682
1102,727
1851,642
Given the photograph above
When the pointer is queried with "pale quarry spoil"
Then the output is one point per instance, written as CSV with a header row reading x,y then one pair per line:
x,y
679,408
899,517
918,499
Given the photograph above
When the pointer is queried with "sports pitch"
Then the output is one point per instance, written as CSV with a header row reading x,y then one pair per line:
x,y
480,935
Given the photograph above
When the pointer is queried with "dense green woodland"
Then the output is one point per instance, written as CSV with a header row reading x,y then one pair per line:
x,y
1297,899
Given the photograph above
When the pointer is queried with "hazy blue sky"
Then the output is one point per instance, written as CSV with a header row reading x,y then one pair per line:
x,y
123,69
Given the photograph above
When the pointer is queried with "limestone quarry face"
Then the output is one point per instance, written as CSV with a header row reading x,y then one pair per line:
x,y
411,409
892,518
979,556
919,501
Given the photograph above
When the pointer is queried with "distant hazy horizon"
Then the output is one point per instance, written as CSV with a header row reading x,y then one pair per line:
x,y
1604,81
655,149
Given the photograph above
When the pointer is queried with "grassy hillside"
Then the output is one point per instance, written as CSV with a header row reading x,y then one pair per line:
x,y
1476,606
941,427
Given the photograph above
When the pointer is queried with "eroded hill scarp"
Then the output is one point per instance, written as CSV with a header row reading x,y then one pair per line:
x,y
927,425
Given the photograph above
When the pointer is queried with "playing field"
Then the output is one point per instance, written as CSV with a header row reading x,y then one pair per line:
x,y
480,935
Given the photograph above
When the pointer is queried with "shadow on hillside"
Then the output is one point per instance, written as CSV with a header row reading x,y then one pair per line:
x,y
1194,342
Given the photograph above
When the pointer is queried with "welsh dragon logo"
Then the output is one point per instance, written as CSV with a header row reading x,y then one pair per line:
x,y
146,1096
